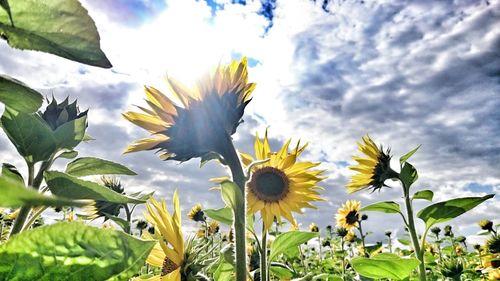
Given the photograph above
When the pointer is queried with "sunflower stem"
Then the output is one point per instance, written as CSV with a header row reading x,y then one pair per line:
x,y
263,254
25,210
228,152
413,234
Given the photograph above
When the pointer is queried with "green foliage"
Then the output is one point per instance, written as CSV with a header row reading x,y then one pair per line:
x,y
15,194
389,207
288,240
447,210
222,215
224,272
385,265
71,187
71,133
59,27
231,194
18,96
408,175
72,251
88,166
31,136
407,156
424,194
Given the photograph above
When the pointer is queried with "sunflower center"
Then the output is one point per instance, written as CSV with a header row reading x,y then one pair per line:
x,y
352,217
168,266
269,184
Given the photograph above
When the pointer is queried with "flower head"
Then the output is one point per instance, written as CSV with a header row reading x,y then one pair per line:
x,y
168,253
341,232
196,213
105,208
494,274
493,244
207,113
313,227
373,170
213,227
486,225
281,185
348,215
58,114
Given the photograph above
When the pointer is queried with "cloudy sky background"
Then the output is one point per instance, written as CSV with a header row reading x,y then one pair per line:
x,y
423,72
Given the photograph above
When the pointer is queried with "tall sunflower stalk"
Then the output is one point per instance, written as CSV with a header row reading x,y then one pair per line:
x,y
374,170
200,124
278,185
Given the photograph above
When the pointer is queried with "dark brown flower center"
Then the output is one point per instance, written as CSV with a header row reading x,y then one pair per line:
x,y
269,184
168,266
352,217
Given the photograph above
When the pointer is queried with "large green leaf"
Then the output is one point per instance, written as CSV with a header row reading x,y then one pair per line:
x,y
447,210
70,134
224,272
16,95
231,195
222,215
72,251
10,171
389,207
88,166
14,194
64,185
385,265
59,27
287,240
31,136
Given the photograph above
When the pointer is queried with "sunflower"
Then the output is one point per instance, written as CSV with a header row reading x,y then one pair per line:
x,y
494,274
168,253
313,227
348,216
207,112
196,213
213,227
281,185
373,170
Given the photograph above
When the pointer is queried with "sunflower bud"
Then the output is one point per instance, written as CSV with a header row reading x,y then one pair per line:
x,y
436,230
341,232
67,122
452,269
493,245
388,233
447,231
364,217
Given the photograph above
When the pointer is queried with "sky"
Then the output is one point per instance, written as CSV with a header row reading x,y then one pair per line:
x,y
327,72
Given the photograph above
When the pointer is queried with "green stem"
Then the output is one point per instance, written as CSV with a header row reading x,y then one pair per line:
x,y
413,234
25,210
128,229
343,257
263,255
362,239
228,152
319,241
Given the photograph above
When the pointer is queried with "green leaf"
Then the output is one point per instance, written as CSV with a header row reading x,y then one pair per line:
x,y
10,171
223,215
408,175
70,134
211,156
407,156
29,133
424,194
88,166
15,194
280,270
231,195
385,265
447,210
69,154
59,27
72,251
389,207
62,184
18,96
289,240
405,242
224,272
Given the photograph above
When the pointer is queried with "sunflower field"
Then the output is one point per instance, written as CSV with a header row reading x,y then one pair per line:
x,y
104,232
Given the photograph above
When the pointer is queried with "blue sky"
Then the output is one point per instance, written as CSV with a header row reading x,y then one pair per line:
x,y
407,73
